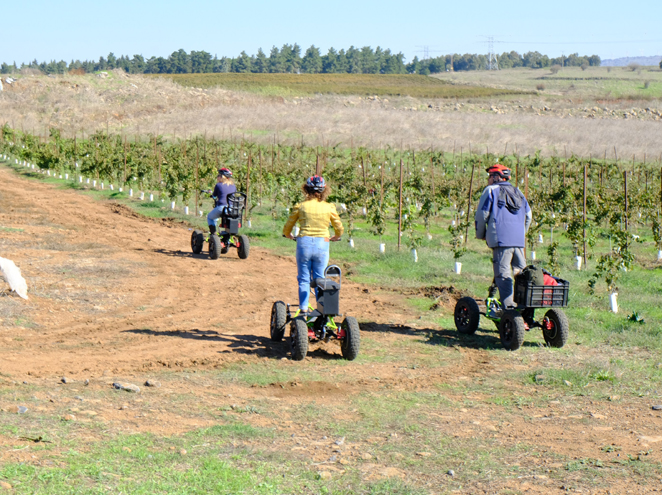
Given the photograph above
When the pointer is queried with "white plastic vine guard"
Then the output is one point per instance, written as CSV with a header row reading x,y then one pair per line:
x,y
186,210
578,262
540,240
351,243
533,255
200,212
249,224
382,248
172,205
119,189
94,183
414,255
112,188
131,193
659,255
429,237
151,197
613,301
458,267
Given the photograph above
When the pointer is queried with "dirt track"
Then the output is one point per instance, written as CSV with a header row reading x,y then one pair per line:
x,y
110,289
113,294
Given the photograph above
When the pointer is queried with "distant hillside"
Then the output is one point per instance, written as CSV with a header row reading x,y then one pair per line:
x,y
624,61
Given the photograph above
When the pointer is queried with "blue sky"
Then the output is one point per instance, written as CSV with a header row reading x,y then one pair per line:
x,y
70,29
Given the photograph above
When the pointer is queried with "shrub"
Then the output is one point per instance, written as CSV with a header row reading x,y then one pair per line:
x,y
555,68
584,66
633,66
540,87
647,84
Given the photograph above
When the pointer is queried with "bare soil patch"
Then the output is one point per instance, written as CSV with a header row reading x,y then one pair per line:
x,y
117,297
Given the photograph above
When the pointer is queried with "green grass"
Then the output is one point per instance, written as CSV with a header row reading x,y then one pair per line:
x,y
340,84
607,360
595,83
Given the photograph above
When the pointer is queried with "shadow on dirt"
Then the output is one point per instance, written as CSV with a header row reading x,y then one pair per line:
x,y
483,339
182,254
242,344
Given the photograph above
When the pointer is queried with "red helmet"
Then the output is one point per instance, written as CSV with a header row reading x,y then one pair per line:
x,y
497,168
224,172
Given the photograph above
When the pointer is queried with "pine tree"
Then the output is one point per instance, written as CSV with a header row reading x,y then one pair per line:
x,y
312,61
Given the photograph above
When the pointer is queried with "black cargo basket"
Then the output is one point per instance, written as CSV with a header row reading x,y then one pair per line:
x,y
542,296
236,205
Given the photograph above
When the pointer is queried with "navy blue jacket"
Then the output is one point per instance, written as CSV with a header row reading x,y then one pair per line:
x,y
221,192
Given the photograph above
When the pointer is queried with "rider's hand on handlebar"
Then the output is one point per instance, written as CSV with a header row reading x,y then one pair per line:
x,y
290,236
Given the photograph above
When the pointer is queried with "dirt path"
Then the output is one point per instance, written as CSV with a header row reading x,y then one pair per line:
x,y
113,294
110,289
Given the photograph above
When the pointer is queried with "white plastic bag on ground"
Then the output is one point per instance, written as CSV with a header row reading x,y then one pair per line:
x,y
13,277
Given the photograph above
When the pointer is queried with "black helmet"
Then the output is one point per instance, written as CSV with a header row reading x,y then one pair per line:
x,y
224,172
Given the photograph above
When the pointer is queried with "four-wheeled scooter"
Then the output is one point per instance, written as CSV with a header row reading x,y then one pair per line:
x,y
230,221
514,323
318,325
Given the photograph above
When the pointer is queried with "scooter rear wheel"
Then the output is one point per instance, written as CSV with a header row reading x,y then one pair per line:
x,y
467,315
350,344
512,330
278,321
555,328
197,241
298,339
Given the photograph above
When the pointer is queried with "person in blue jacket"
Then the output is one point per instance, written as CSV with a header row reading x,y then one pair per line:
x,y
224,187
502,219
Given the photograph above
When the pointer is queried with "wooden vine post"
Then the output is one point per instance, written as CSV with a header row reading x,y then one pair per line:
x,y
248,183
584,212
197,181
471,183
625,192
400,208
124,159
432,172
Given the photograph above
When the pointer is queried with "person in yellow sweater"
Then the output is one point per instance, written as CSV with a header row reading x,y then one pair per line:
x,y
313,215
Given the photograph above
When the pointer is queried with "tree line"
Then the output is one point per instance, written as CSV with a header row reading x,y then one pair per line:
x,y
289,59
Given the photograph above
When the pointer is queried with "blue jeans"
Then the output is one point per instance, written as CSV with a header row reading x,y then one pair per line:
x,y
215,214
312,258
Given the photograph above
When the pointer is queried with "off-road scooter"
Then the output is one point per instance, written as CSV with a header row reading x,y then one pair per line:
x,y
317,325
230,221
514,323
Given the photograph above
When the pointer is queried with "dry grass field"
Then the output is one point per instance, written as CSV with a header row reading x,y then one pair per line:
x,y
555,120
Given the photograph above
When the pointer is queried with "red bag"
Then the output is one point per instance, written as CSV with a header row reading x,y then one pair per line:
x,y
547,294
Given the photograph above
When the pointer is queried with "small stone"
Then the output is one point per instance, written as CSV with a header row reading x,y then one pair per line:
x,y
78,397
340,441
614,397
333,458
324,475
66,380
126,449
567,383
450,472
423,454
182,452
366,456
152,383
344,462
69,417
539,378
22,409
87,382
5,486
128,387
657,408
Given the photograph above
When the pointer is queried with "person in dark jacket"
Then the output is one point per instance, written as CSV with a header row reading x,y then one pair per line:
x,y
224,187
502,219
